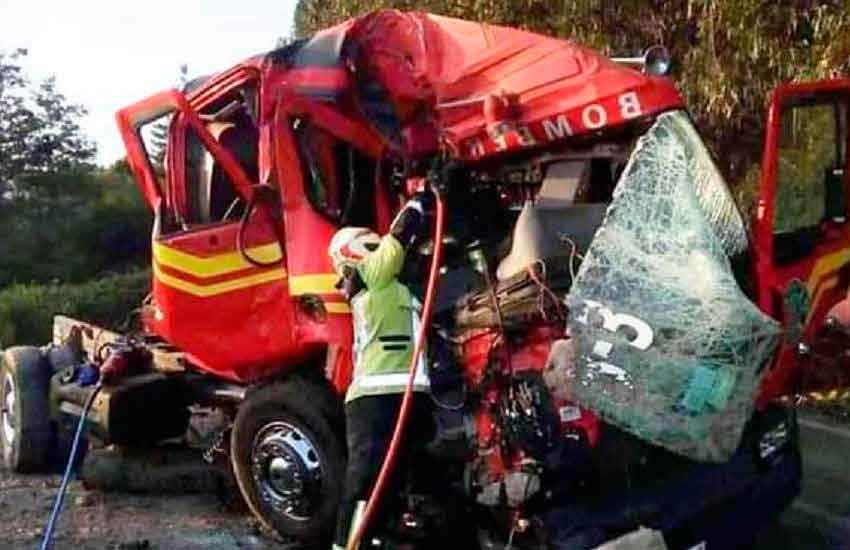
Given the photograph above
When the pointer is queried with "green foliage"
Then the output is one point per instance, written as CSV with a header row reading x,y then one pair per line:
x,y
730,53
39,128
26,311
61,219
73,225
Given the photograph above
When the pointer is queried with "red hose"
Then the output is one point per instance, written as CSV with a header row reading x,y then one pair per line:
x,y
392,454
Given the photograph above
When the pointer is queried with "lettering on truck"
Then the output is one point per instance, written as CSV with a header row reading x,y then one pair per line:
x,y
506,135
598,358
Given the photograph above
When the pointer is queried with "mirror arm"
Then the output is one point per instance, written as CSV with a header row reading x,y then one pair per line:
x,y
260,193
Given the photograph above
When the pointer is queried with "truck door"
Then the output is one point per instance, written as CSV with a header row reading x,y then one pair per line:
x,y
220,288
802,237
329,166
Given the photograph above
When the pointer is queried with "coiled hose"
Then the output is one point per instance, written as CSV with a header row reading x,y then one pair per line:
x,y
392,454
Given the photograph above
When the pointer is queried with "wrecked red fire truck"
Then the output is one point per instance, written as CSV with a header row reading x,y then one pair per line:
x,y
609,338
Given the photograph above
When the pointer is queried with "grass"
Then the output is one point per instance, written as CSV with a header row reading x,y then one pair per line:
x,y
26,311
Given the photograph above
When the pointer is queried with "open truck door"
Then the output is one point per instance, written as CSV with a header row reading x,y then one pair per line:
x,y
245,205
802,236
220,284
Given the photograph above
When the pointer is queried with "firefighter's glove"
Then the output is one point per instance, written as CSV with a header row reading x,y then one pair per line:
x,y
409,222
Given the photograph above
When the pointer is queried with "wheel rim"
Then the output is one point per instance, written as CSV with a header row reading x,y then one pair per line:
x,y
287,470
8,422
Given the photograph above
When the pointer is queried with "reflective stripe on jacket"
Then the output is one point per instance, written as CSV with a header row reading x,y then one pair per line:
x,y
386,320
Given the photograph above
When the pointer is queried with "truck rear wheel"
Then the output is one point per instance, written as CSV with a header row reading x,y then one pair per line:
x,y
289,459
26,432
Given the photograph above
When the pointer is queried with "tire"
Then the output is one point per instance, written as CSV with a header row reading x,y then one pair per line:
x,y
26,432
286,433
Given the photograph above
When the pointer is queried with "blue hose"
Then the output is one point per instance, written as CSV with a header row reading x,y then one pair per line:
x,y
57,506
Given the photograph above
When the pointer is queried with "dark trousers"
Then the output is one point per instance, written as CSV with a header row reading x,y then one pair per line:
x,y
370,421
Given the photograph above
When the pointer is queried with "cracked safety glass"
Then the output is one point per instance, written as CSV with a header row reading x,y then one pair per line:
x,y
666,345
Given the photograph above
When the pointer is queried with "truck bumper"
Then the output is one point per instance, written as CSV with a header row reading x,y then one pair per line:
x,y
700,507
736,521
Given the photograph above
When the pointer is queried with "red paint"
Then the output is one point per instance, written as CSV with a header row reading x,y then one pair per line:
x,y
319,80
468,90
473,82
260,343
539,87
771,279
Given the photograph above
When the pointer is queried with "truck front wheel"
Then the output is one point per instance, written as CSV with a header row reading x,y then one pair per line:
x,y
288,460
26,433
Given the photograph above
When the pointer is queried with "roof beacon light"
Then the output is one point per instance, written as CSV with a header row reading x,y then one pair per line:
x,y
656,60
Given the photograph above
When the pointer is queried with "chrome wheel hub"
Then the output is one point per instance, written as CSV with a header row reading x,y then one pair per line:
x,y
8,421
287,470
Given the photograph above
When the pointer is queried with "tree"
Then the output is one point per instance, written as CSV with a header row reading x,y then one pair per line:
x,y
39,127
60,217
74,225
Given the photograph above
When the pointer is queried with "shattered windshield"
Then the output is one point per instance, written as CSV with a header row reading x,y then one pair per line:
x,y
668,347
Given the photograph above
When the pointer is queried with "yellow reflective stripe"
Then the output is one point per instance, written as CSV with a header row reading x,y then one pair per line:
x,y
319,283
337,307
827,285
212,266
217,288
825,266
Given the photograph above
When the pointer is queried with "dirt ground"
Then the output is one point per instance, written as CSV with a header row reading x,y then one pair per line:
x,y
184,506
119,520
161,499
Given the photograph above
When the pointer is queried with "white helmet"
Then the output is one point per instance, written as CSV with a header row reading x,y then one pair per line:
x,y
350,245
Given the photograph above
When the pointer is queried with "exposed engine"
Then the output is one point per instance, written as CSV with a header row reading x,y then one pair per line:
x,y
499,343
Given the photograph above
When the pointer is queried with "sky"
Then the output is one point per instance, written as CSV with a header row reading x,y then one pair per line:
x,y
108,54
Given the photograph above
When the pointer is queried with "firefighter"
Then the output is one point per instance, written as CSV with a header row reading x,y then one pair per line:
x,y
386,319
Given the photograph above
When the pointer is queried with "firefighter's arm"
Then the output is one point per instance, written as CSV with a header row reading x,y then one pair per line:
x,y
383,265
410,220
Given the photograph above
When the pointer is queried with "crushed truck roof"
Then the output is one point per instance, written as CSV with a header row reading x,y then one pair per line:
x,y
478,89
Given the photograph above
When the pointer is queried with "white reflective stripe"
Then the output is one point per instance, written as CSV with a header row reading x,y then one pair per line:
x,y
421,366
420,380
361,333
393,379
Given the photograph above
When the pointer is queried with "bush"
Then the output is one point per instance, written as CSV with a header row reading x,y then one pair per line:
x,y
26,311
73,226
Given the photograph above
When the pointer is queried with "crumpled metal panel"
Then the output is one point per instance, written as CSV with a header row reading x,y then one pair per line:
x,y
666,345
478,89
